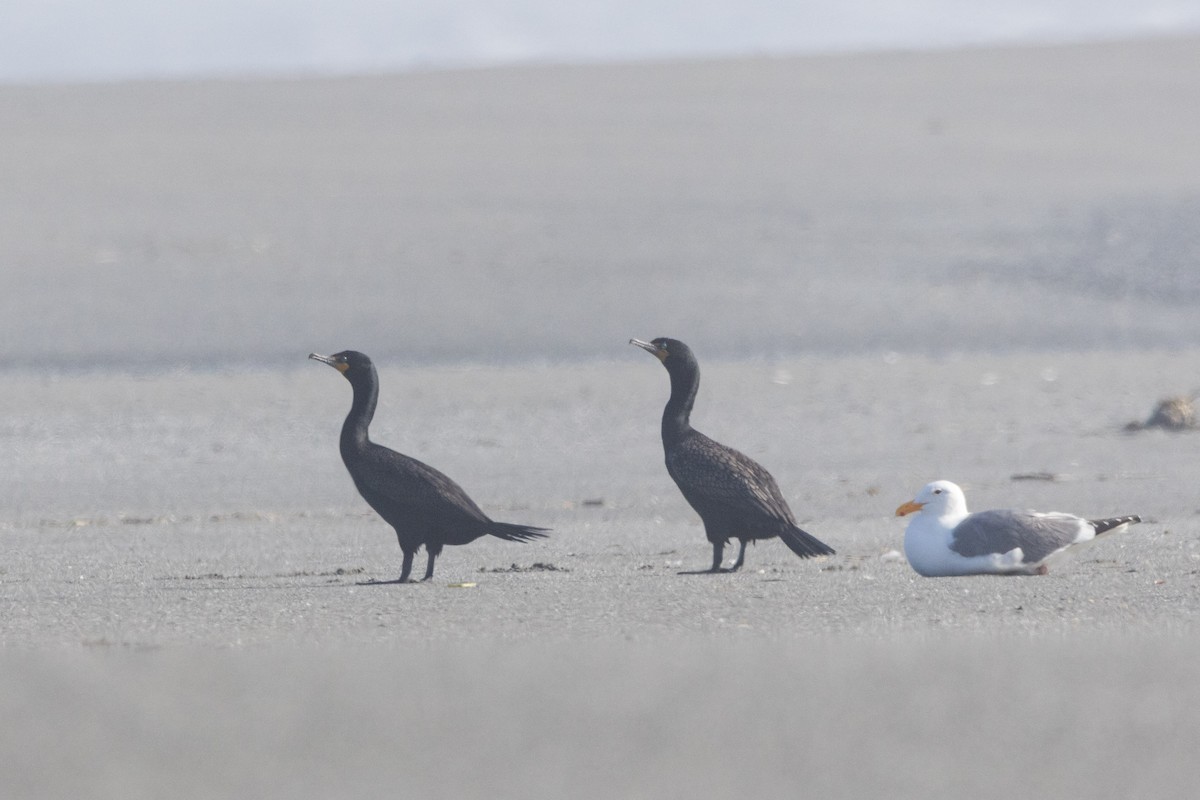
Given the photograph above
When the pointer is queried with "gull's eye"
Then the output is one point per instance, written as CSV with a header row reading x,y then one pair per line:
x,y
937,491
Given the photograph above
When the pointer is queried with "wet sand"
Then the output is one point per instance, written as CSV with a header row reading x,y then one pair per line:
x,y
894,268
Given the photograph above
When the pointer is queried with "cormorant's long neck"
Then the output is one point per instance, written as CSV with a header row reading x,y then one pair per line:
x,y
677,414
366,396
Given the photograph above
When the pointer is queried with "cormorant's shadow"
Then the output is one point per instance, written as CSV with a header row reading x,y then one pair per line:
x,y
393,582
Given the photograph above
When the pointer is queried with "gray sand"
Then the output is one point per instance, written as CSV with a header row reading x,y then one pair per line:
x,y
253,511
893,268
211,614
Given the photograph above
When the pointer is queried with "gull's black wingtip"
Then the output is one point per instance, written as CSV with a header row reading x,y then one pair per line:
x,y
1112,523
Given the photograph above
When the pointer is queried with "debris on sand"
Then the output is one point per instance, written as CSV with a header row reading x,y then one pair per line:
x,y
1172,414
1051,477
535,567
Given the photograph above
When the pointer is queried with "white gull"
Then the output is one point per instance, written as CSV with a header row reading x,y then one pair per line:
x,y
944,539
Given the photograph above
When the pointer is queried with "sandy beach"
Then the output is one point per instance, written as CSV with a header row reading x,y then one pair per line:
x,y
215,612
974,265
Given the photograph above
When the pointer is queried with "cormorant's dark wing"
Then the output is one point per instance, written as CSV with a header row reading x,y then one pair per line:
x,y
412,485
711,475
1038,535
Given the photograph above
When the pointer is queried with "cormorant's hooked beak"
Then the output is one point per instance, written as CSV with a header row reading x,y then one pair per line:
x,y
911,507
658,352
340,366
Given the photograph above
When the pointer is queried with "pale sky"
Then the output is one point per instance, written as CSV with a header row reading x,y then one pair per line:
x,y
75,40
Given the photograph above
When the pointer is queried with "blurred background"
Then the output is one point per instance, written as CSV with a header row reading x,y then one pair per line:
x,y
201,184
77,40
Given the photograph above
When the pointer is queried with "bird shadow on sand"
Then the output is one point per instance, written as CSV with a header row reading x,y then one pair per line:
x,y
392,582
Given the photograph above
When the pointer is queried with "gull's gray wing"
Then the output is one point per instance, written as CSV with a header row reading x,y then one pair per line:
x,y
1038,535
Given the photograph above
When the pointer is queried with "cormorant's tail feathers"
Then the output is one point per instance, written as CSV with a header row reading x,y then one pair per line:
x,y
516,533
804,544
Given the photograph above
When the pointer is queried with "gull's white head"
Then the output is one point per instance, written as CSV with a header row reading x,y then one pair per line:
x,y
937,499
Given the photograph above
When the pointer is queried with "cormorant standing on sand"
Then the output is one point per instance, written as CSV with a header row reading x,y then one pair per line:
x,y
735,497
423,505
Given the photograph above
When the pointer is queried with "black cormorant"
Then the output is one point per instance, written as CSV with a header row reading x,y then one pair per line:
x,y
423,505
735,497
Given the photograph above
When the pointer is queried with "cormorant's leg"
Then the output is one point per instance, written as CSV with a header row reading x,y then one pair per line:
x,y
740,559
718,554
407,567
429,565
